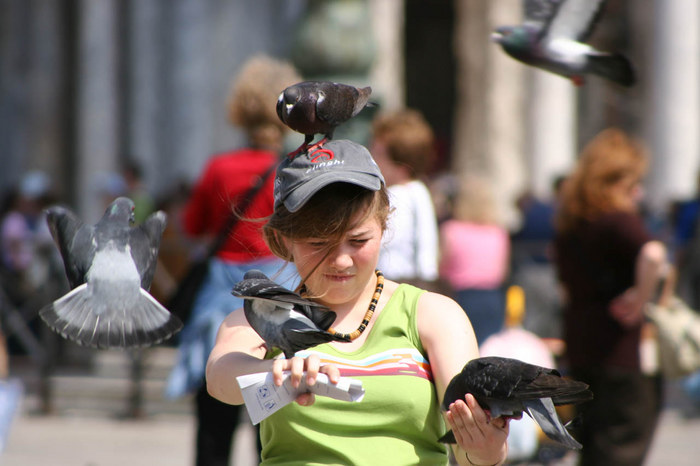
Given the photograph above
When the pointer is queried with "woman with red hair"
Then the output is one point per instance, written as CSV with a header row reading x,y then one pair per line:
x,y
609,267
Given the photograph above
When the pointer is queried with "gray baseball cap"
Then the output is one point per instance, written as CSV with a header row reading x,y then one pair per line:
x,y
303,176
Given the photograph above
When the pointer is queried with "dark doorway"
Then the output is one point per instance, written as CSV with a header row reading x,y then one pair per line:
x,y
430,68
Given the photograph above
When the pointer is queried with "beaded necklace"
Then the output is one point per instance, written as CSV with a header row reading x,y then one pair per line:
x,y
368,315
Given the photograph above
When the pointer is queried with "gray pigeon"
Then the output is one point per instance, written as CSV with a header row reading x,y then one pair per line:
x,y
552,38
110,267
281,317
507,387
318,107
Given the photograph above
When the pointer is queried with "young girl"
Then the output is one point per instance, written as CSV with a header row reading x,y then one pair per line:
x,y
331,209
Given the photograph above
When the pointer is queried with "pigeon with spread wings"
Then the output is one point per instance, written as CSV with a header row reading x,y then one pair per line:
x,y
552,37
110,266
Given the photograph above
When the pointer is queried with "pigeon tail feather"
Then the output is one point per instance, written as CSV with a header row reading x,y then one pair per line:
x,y
449,437
362,100
542,411
614,67
146,323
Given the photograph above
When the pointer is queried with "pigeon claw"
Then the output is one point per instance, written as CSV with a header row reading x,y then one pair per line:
x,y
299,150
317,146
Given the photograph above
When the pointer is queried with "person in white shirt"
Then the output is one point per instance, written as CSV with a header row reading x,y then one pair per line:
x,y
403,145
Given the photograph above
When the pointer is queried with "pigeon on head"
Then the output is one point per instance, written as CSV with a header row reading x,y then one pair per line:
x,y
552,37
110,266
283,318
318,107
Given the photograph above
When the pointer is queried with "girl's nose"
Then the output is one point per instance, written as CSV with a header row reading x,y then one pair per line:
x,y
340,259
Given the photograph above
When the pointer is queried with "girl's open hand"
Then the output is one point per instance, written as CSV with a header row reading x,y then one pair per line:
x,y
476,432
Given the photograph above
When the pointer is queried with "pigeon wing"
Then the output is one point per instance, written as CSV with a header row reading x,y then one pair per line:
x,y
304,338
539,13
575,19
320,315
549,384
144,243
501,377
75,241
337,103
255,284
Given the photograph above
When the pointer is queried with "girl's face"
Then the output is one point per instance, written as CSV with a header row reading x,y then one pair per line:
x,y
346,271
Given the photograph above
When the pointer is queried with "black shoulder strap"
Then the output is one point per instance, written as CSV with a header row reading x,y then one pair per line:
x,y
234,216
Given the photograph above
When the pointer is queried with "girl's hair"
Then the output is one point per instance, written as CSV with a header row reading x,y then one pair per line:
x,y
329,214
609,159
252,98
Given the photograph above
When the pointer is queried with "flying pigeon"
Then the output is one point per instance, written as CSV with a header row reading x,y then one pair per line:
x,y
281,317
318,107
110,267
507,387
553,36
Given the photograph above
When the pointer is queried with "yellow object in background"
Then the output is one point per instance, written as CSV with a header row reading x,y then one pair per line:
x,y
515,306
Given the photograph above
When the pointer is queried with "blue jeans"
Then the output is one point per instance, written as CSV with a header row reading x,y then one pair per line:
x,y
213,303
691,386
486,310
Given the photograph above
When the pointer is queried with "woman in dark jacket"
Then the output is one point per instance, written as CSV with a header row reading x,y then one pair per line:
x,y
609,267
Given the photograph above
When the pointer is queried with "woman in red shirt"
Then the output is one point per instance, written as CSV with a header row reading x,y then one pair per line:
x,y
226,180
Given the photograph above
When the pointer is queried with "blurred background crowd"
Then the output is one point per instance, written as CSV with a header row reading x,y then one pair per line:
x,y
108,98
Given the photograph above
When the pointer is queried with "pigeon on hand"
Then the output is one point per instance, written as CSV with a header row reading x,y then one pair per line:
x,y
507,387
281,317
318,107
109,267
552,38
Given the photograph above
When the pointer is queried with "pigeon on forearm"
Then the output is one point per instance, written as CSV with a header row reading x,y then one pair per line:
x,y
552,37
509,387
109,266
281,317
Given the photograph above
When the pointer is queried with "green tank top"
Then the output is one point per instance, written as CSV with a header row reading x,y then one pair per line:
x,y
398,421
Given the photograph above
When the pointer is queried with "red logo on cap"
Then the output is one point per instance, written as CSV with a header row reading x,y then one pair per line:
x,y
321,155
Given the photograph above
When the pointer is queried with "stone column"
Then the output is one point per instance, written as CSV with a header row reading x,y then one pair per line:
x,y
551,130
489,138
187,137
388,75
144,99
97,94
14,63
45,112
675,112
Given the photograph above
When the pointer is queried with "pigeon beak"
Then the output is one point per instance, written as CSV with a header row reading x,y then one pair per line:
x,y
496,37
